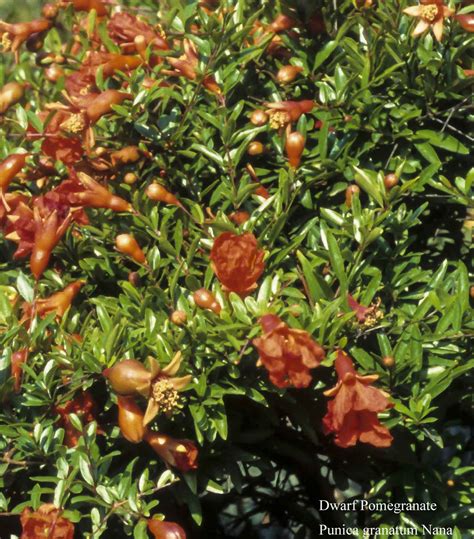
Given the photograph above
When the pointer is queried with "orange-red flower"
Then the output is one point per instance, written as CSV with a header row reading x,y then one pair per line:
x,y
187,66
367,316
284,112
159,385
237,261
288,354
58,303
18,359
162,529
431,15
45,523
82,190
19,226
181,454
352,414
14,35
84,406
124,28
48,231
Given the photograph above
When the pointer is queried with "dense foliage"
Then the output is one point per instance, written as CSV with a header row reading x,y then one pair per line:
x,y
235,267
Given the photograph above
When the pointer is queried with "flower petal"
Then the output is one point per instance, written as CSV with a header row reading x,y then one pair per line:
x,y
173,366
413,11
420,28
438,29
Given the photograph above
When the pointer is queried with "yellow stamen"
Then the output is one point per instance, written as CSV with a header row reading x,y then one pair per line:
x,y
74,124
165,395
278,119
429,12
6,42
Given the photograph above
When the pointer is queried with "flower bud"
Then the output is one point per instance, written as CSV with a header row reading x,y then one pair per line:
x,y
10,94
130,419
282,23
128,377
10,168
127,244
294,147
390,180
134,278
102,104
288,74
388,361
35,42
206,300
179,318
255,148
17,361
50,11
161,529
158,193
471,292
239,217
350,192
466,21
53,73
259,117
130,178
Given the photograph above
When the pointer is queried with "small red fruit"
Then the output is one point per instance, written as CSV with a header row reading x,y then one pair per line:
x,y
128,377
390,181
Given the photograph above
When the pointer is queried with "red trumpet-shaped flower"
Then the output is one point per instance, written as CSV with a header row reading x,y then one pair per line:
x,y
288,354
14,35
19,226
367,316
85,191
19,358
352,414
48,231
58,303
284,112
237,261
85,407
124,28
45,523
187,66
180,454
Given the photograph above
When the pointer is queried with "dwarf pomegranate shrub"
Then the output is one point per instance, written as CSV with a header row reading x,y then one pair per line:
x,y
236,281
